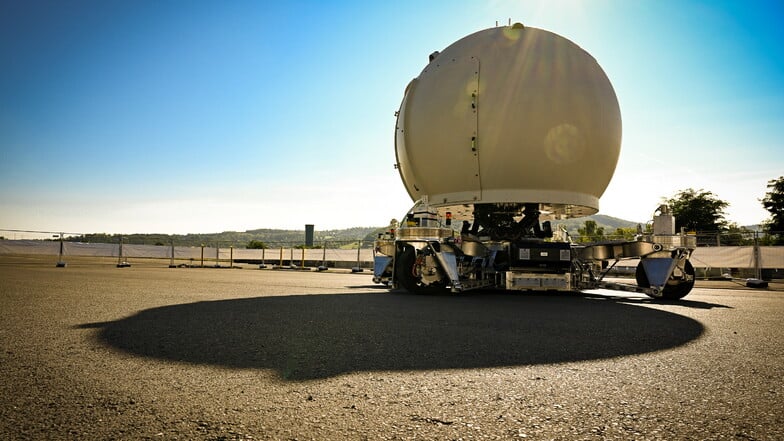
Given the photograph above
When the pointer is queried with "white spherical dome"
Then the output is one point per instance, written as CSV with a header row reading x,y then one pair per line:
x,y
510,115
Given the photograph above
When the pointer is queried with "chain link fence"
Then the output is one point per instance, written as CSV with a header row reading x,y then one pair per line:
x,y
354,254
718,255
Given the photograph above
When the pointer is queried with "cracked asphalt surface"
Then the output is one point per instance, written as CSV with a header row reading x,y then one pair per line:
x,y
96,352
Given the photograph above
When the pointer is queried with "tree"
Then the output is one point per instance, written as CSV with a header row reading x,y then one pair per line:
x,y
736,235
774,203
256,245
625,233
591,232
700,211
306,247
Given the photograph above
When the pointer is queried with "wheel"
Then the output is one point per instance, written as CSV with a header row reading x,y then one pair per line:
x,y
676,288
408,274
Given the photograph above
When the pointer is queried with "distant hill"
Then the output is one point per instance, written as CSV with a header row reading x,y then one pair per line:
x,y
346,237
273,237
609,223
237,239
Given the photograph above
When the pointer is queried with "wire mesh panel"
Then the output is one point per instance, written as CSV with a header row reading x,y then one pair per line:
x,y
280,254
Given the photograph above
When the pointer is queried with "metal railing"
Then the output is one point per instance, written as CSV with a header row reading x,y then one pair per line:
x,y
356,254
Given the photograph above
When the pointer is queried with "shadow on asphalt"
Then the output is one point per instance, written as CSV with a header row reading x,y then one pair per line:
x,y
649,301
306,337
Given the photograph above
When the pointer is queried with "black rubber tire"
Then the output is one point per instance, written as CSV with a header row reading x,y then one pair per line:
x,y
675,289
404,273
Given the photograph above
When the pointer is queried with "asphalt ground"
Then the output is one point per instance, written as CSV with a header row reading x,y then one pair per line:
x,y
91,351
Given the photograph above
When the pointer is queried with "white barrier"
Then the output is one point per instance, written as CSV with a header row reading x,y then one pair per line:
x,y
726,257
702,257
287,256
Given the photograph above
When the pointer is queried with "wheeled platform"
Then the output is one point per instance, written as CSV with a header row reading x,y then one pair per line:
x,y
426,255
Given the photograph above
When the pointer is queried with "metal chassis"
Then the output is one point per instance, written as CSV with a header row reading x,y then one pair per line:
x,y
660,257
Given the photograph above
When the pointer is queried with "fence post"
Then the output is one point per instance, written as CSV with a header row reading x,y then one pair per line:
x,y
122,263
171,263
202,255
757,269
323,266
358,268
60,262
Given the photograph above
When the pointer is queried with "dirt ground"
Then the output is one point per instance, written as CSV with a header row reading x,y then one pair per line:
x,y
92,351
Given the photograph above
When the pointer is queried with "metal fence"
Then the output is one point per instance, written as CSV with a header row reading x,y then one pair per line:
x,y
718,255
355,254
709,238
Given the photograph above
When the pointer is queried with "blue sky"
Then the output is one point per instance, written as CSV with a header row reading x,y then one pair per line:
x,y
177,117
